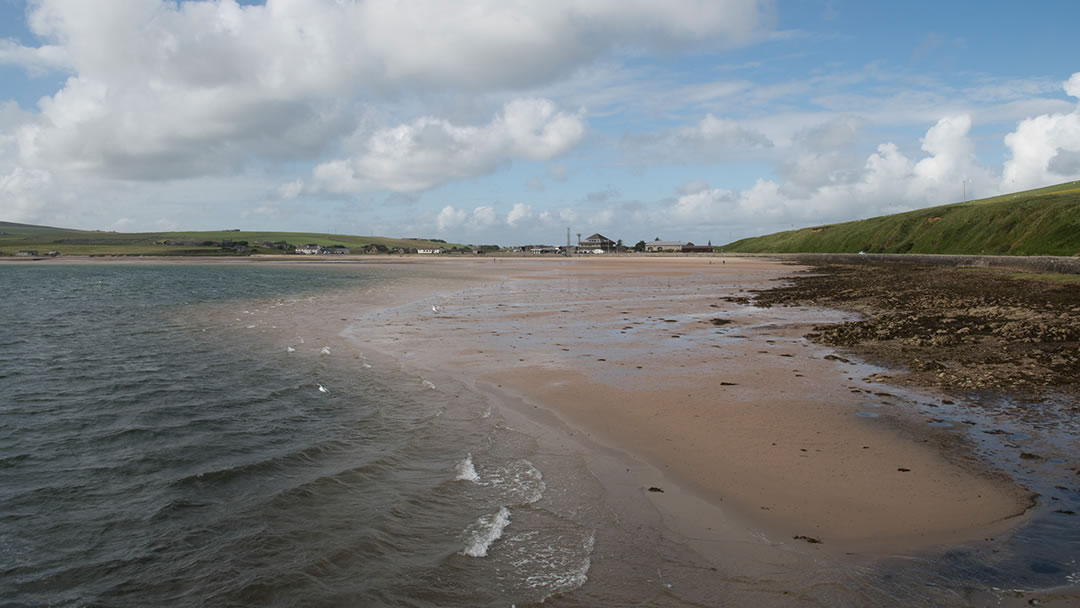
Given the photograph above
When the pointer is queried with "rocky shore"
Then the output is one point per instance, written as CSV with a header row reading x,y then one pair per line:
x,y
966,329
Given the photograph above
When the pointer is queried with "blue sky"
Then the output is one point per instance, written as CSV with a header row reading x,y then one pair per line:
x,y
497,122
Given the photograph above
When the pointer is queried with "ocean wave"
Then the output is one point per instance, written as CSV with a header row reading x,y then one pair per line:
x,y
519,481
309,456
484,531
554,556
465,471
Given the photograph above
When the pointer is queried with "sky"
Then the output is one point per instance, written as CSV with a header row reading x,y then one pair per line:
x,y
511,121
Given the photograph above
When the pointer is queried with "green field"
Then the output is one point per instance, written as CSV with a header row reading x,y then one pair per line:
x,y
1036,222
16,237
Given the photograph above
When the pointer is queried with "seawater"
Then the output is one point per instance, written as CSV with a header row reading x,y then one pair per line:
x,y
160,446
151,456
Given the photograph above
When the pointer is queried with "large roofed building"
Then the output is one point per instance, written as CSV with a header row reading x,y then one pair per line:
x,y
597,241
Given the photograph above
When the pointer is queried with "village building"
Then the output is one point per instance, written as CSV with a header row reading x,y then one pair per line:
x,y
26,253
596,242
430,251
677,246
336,250
309,249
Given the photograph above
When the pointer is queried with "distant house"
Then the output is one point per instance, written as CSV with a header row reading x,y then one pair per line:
x,y
682,246
26,253
596,241
376,249
309,249
336,250
430,250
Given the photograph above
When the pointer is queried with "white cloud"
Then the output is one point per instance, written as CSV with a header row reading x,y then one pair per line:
x,y
290,190
24,193
711,139
162,90
1044,147
452,219
36,60
887,183
520,214
449,218
430,150
1072,85
483,217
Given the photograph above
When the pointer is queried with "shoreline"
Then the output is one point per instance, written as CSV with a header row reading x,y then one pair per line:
x,y
794,465
530,339
770,437
770,431
652,412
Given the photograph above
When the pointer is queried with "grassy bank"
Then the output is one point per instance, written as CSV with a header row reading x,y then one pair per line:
x,y
1036,222
23,237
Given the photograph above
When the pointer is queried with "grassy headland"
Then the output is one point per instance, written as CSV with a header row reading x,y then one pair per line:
x,y
1045,221
18,237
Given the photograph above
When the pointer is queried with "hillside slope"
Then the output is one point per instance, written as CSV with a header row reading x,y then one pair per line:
x,y
1036,222
15,237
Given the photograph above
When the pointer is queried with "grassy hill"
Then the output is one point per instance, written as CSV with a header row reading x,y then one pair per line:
x,y
1045,221
15,237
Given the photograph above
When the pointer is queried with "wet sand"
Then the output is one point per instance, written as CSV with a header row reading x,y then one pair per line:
x,y
744,425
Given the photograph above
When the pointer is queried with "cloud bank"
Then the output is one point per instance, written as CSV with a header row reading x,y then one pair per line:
x,y
430,150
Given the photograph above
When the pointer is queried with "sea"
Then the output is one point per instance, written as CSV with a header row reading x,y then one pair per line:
x,y
167,439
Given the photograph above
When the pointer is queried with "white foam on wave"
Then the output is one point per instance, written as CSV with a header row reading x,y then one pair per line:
x,y
484,531
427,383
325,350
570,579
551,563
466,471
520,480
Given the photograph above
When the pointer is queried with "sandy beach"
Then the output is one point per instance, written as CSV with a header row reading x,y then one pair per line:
x,y
718,431
750,430
656,357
